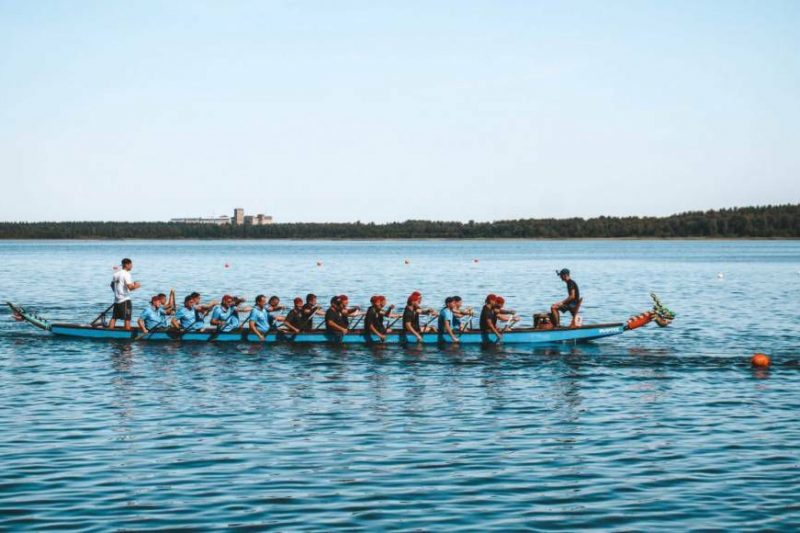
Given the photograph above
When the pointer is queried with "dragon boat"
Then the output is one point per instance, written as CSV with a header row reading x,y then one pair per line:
x,y
520,335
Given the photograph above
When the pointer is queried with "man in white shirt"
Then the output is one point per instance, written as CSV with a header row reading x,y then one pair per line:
x,y
122,285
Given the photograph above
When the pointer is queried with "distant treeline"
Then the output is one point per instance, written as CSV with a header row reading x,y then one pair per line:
x,y
781,221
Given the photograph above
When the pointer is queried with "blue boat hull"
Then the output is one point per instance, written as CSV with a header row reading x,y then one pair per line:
x,y
521,336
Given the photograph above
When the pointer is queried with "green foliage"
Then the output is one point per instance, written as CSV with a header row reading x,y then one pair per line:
x,y
781,221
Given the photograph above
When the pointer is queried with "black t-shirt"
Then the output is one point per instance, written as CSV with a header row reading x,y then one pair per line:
x,y
294,318
307,321
333,315
410,315
487,315
374,318
572,286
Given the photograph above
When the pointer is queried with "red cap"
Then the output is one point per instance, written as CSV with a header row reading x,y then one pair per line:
x,y
414,297
155,299
343,298
491,298
298,301
375,299
500,301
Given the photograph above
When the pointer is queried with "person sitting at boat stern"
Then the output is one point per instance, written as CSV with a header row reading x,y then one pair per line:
x,y
336,323
488,320
571,303
122,285
225,316
448,325
153,316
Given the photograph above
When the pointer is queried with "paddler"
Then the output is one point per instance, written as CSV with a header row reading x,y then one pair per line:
x,y
509,316
225,316
571,303
122,285
310,310
153,316
295,321
191,317
336,323
411,325
488,320
261,321
458,314
349,312
447,321
374,323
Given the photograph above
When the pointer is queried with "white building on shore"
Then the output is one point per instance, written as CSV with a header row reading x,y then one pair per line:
x,y
238,219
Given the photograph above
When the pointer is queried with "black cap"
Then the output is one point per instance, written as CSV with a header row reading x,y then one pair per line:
x,y
562,272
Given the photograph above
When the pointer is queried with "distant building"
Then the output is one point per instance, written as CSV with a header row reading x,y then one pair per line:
x,y
221,220
238,219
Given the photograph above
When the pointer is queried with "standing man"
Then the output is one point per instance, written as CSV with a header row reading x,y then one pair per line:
x,y
571,303
122,285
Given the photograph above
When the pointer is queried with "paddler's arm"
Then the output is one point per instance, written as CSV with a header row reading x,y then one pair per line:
x,y
287,326
254,329
495,330
408,326
141,326
449,331
375,331
336,326
175,323
170,307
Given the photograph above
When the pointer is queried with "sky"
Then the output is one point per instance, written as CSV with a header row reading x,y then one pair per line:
x,y
393,110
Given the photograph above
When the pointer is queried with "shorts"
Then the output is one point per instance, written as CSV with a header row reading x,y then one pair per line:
x,y
571,307
122,310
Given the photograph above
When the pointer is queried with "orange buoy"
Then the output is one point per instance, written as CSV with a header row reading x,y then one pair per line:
x,y
760,360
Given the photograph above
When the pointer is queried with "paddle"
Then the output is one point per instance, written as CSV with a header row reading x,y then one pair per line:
x,y
391,324
101,316
355,326
309,319
160,327
222,326
511,323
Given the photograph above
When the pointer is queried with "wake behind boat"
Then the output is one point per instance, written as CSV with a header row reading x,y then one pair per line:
x,y
521,335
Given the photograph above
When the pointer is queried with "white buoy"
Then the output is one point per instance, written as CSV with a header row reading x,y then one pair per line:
x,y
720,275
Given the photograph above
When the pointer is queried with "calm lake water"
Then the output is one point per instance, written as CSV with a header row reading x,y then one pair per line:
x,y
658,429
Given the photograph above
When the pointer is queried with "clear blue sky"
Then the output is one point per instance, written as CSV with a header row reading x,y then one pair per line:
x,y
331,111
